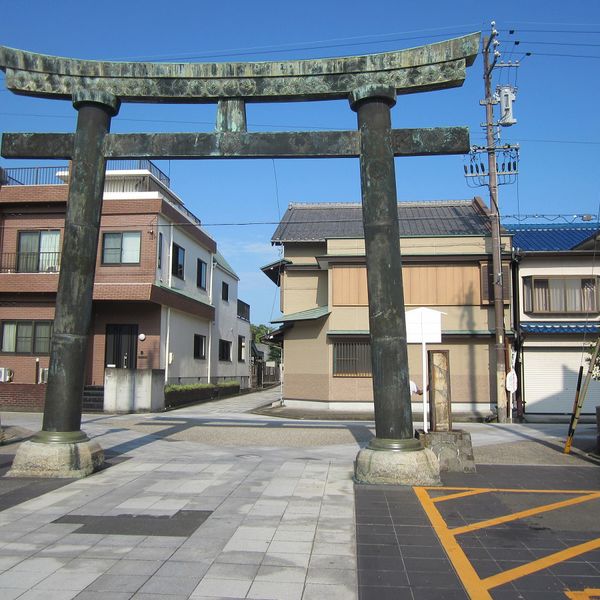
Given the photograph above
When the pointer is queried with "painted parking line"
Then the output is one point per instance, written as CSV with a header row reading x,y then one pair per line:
x,y
477,587
587,594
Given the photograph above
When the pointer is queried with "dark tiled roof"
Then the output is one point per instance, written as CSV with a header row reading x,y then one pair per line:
x,y
560,327
319,222
540,238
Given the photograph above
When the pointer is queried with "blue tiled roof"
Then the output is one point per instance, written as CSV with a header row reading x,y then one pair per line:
x,y
560,327
550,236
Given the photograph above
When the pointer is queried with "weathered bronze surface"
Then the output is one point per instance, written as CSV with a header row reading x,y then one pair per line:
x,y
431,67
68,354
389,354
301,144
371,82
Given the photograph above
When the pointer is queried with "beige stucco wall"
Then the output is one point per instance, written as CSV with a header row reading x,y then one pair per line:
x,y
304,253
421,245
306,361
304,290
469,374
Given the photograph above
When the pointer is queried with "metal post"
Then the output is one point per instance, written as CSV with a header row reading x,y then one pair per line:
x,y
62,411
389,357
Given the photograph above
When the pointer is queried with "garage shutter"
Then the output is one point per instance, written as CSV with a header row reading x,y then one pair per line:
x,y
550,381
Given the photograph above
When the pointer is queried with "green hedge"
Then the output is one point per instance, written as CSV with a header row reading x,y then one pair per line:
x,y
181,394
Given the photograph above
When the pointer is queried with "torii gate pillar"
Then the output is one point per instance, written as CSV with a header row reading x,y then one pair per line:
x,y
61,449
394,455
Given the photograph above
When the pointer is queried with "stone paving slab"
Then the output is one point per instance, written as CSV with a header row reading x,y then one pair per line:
x,y
279,514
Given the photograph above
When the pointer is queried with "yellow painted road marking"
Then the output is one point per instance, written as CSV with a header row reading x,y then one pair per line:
x,y
472,582
476,587
524,513
586,594
458,495
541,563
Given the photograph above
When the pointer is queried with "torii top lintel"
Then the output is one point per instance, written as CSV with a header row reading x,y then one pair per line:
x,y
431,67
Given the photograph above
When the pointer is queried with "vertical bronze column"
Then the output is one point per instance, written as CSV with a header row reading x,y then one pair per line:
x,y
62,411
389,357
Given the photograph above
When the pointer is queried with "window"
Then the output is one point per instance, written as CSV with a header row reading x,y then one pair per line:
x,y
121,248
199,346
241,348
352,359
225,291
243,310
160,250
201,274
178,262
39,251
26,337
560,295
224,350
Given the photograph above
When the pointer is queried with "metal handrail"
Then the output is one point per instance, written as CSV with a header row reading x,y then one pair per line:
x,y
30,262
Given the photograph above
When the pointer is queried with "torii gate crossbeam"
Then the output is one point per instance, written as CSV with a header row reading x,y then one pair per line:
x,y
370,83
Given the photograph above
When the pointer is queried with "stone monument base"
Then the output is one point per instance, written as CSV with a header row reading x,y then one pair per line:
x,y
393,467
70,460
453,449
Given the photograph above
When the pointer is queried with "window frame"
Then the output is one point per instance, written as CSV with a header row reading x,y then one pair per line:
x,y
201,273
529,296
34,338
38,255
120,262
360,363
224,291
177,266
159,254
225,344
242,351
199,351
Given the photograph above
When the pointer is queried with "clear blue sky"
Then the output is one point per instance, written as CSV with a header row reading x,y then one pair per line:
x,y
558,126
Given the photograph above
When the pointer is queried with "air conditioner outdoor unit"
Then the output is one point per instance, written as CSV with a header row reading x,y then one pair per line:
x,y
6,374
43,375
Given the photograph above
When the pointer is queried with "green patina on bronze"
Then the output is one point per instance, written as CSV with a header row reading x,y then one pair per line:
x,y
370,82
301,144
431,67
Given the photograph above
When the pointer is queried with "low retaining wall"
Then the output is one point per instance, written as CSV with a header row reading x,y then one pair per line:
x,y
22,397
175,398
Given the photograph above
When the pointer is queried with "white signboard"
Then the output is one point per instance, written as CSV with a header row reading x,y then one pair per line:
x,y
424,325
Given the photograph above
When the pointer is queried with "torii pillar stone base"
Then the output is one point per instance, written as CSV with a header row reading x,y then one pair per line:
x,y
399,467
70,460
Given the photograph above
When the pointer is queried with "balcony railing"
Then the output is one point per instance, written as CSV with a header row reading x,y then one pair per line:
x,y
30,262
48,175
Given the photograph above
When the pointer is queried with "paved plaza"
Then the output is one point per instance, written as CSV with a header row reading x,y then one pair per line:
x,y
214,501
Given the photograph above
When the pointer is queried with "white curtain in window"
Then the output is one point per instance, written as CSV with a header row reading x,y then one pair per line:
x,y
130,252
49,250
557,295
589,294
573,289
541,297
9,337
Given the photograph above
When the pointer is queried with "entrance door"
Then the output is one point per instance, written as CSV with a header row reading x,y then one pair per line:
x,y
121,346
439,390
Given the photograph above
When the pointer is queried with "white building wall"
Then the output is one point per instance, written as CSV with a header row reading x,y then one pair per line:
x,y
193,251
183,327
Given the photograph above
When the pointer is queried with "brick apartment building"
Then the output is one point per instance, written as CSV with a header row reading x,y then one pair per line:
x,y
164,297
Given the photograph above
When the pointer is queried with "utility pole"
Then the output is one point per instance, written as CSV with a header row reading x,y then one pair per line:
x,y
504,415
498,172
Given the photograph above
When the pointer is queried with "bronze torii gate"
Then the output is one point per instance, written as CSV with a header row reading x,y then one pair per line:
x,y
96,89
